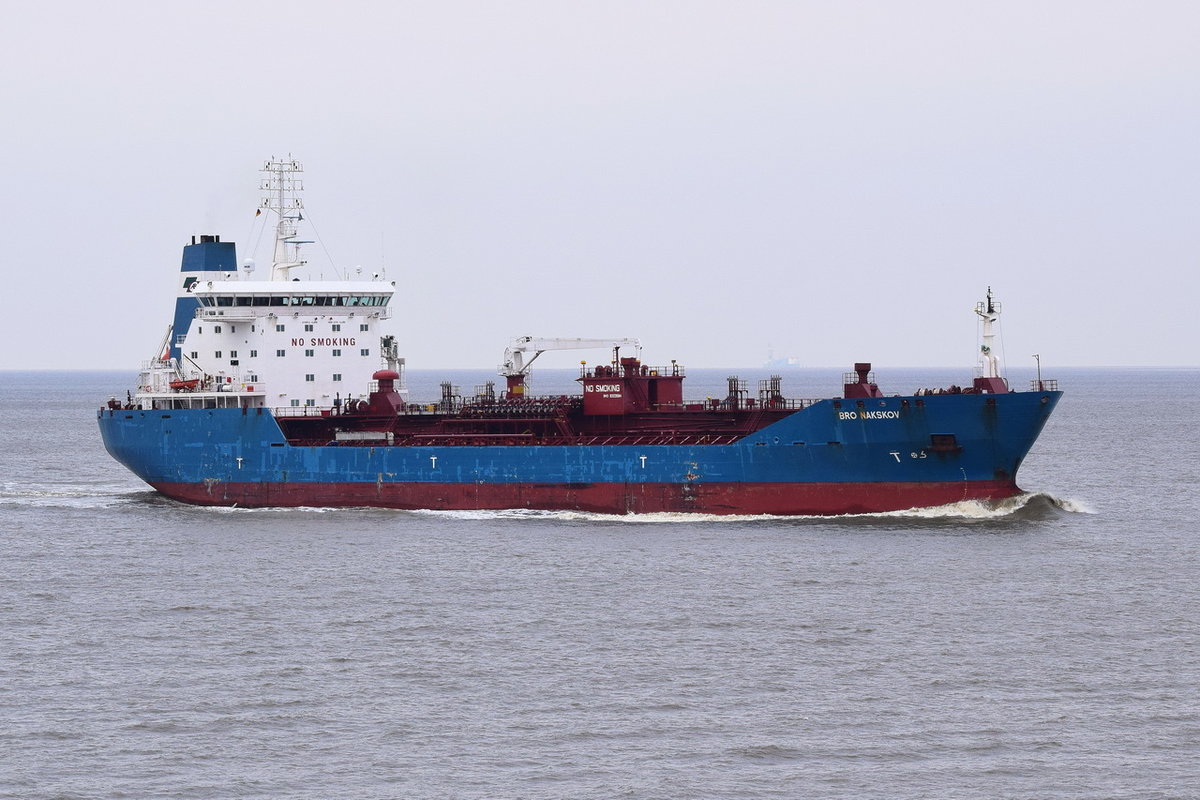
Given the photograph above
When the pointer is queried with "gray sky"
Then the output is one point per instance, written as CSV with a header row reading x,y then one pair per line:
x,y
841,180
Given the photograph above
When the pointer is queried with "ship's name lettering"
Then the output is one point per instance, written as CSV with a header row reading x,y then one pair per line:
x,y
604,387
335,341
868,415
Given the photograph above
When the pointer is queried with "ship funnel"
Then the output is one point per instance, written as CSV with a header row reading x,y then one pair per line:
x,y
205,259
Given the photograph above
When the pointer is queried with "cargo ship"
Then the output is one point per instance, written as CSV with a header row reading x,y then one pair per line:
x,y
287,391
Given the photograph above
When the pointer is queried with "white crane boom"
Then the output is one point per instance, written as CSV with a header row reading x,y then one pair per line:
x,y
514,359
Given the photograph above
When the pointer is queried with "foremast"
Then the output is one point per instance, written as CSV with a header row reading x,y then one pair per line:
x,y
281,186
989,379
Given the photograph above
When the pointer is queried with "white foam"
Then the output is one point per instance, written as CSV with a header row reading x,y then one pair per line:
x,y
1073,505
104,496
989,509
656,517
236,509
965,509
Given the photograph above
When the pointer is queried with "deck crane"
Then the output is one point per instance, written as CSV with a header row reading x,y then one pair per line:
x,y
515,367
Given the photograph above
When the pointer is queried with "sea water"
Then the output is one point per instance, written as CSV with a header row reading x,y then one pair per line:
x,y
1042,647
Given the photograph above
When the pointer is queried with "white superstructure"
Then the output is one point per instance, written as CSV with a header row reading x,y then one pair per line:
x,y
300,346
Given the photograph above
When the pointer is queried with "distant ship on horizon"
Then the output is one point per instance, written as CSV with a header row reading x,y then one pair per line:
x,y
779,363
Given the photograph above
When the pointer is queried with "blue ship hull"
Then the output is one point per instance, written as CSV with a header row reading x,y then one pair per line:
x,y
833,457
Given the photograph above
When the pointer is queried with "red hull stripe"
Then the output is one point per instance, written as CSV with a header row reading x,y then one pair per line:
x,y
604,498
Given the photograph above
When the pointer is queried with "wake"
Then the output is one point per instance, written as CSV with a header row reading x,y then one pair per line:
x,y
1031,506
1028,506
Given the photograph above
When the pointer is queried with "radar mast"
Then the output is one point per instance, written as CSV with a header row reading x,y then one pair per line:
x,y
281,186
